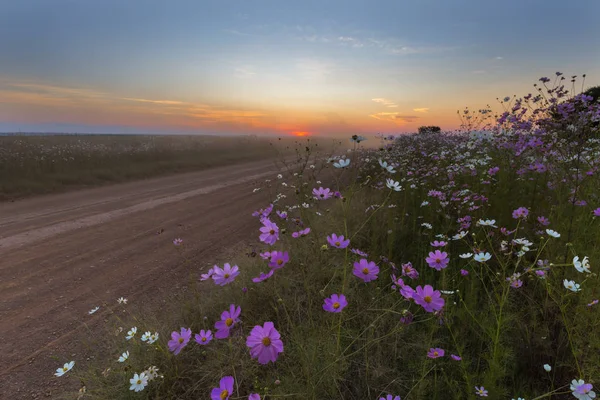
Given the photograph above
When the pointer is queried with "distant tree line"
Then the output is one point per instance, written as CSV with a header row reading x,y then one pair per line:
x,y
429,129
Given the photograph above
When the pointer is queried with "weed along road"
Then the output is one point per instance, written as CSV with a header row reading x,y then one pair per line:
x,y
62,255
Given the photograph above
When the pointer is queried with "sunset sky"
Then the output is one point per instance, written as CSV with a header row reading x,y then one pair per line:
x,y
279,67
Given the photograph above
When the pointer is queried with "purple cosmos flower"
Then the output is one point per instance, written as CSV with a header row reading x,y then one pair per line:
x,y
435,243
407,292
266,255
407,318
179,340
362,253
282,214
338,241
390,397
455,357
263,276
520,212
335,303
480,391
366,270
301,233
226,275
265,343
438,260
596,212
225,389
593,303
228,320
269,232
543,221
464,272
204,337
337,195
435,353
322,194
254,396
208,275
431,300
493,171
278,259
409,270
177,241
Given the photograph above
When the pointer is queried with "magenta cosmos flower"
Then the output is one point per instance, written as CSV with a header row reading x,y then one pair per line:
x,y
436,243
390,397
480,391
278,259
431,300
520,212
228,320
179,340
265,343
269,232
336,303
366,270
301,233
596,212
322,194
225,275
435,353
455,357
263,276
254,396
204,337
338,241
225,389
409,270
359,252
438,260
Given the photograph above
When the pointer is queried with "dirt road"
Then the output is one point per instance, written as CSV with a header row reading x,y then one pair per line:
x,y
61,255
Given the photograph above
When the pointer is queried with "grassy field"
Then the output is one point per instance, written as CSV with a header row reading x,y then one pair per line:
x,y
32,165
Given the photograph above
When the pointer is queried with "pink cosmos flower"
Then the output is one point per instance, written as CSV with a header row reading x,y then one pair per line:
x,y
228,321
409,270
464,272
359,252
226,275
204,337
179,340
177,241
407,292
263,276
366,270
225,389
431,300
301,233
254,396
335,303
278,259
390,397
438,260
520,212
262,213
282,214
596,212
322,194
435,353
265,343
436,243
208,275
338,241
265,255
269,232
543,221
455,357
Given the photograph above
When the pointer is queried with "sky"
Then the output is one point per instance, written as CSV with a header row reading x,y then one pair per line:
x,y
324,68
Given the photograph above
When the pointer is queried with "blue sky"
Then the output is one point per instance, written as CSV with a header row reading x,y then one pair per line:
x,y
322,67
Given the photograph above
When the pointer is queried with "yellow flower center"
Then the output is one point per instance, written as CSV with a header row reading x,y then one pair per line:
x,y
279,262
365,271
224,394
266,341
204,339
272,232
229,322
226,276
427,299
180,340
336,305
337,243
437,260
139,382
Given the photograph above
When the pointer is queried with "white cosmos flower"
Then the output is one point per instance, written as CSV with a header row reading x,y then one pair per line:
x,y
305,205
547,367
255,190
93,310
487,222
580,391
583,265
66,368
466,255
131,333
279,176
459,235
424,203
146,336
343,163
311,166
571,285
426,225
124,356
552,233
138,382
482,257
151,372
393,185
122,300
153,338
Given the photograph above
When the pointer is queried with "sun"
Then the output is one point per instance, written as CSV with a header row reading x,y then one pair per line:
x,y
300,133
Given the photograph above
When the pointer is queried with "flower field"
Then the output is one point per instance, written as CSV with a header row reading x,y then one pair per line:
x,y
452,265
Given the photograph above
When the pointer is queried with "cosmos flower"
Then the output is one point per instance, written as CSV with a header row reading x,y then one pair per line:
x,y
335,303
431,300
269,232
390,397
395,186
520,213
93,310
265,343
409,270
338,241
322,194
466,255
138,382
278,259
435,353
228,321
225,389
208,275
65,368
177,242
482,257
480,391
124,356
179,340
342,163
455,357
366,270
301,233
131,333
582,390
571,285
263,276
583,265
204,337
552,233
359,252
226,275
438,260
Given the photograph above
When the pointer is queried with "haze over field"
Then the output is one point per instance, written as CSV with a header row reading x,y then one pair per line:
x,y
272,67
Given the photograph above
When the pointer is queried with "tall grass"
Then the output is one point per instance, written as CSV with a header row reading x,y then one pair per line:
x,y
511,326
